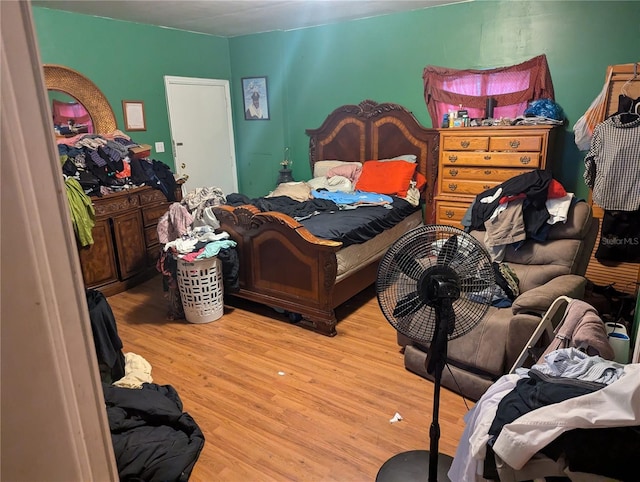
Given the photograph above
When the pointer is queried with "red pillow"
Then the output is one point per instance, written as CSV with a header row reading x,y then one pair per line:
x,y
388,177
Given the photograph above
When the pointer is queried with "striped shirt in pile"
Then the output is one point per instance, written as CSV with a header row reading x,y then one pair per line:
x,y
612,165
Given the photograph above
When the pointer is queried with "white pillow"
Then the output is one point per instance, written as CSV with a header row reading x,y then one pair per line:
x,y
317,183
320,168
332,184
405,157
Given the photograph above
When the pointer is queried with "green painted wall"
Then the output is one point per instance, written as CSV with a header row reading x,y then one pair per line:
x,y
312,71
128,61
259,143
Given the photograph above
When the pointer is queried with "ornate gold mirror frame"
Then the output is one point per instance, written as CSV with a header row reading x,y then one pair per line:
x,y
64,79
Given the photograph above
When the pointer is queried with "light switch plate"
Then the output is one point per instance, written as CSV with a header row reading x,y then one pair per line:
x,y
159,146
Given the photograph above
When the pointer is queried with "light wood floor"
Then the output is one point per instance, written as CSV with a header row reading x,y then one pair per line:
x,y
277,402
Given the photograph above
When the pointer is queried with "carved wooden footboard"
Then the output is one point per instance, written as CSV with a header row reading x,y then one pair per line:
x,y
283,265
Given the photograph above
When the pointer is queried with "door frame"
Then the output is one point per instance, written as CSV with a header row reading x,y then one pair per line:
x,y
54,422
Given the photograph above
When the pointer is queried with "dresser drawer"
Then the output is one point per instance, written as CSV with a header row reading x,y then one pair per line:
x,y
465,143
450,213
151,214
115,204
453,174
152,196
151,235
466,188
516,143
498,159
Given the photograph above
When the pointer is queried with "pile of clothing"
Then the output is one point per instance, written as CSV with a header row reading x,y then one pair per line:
x,y
153,439
102,164
523,207
575,406
189,230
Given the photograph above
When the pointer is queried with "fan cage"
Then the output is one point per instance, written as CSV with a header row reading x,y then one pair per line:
x,y
410,258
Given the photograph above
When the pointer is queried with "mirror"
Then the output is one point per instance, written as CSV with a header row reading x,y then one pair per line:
x,y
69,116
61,80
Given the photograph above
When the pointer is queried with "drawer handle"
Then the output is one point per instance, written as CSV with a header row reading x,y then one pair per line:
x,y
487,172
464,144
453,172
487,157
453,187
453,158
514,144
449,213
525,159
486,187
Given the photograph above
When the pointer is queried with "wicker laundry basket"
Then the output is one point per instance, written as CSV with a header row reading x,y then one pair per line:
x,y
201,289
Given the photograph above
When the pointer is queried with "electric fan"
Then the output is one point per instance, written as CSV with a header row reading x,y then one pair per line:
x,y
434,284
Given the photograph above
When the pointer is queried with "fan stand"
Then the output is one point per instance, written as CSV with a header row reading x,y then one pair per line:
x,y
413,465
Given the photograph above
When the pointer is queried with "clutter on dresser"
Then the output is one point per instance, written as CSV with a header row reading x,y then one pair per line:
x,y
538,112
113,162
116,194
499,96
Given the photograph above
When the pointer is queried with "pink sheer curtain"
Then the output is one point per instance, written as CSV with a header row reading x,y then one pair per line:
x,y
64,111
512,87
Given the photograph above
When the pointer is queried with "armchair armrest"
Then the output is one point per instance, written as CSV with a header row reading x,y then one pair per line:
x,y
538,300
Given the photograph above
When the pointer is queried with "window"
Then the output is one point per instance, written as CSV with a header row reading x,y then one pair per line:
x,y
512,87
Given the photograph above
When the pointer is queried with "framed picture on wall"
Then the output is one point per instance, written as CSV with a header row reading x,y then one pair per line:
x,y
256,99
134,115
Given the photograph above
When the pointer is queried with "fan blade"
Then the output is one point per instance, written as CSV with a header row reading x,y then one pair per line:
x,y
408,265
448,251
476,283
468,262
408,305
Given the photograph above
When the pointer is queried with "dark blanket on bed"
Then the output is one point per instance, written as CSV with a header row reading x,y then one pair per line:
x,y
325,219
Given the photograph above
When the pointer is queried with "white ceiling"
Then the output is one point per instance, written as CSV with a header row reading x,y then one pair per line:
x,y
231,18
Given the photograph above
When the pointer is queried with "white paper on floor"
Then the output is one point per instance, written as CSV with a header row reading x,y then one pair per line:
x,y
396,418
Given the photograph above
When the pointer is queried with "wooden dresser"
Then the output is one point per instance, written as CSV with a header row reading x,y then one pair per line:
x,y
126,246
474,159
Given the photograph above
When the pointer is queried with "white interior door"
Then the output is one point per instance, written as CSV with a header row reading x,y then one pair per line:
x,y
202,132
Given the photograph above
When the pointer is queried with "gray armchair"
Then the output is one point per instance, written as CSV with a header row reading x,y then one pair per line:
x,y
545,271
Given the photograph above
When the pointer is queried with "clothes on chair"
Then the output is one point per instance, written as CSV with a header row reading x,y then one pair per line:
x,y
533,428
472,448
582,328
573,363
616,405
534,184
538,390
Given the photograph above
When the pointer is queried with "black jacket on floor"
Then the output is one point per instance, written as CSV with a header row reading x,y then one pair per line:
x,y
153,439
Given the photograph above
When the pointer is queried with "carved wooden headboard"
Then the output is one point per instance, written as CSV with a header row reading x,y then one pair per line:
x,y
371,131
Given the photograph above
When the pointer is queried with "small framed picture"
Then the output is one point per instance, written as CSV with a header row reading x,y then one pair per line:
x,y
256,99
133,115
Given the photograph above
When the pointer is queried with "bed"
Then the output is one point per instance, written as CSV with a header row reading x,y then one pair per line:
x,y
285,266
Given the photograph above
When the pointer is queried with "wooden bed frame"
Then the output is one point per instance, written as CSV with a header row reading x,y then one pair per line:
x,y
282,264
